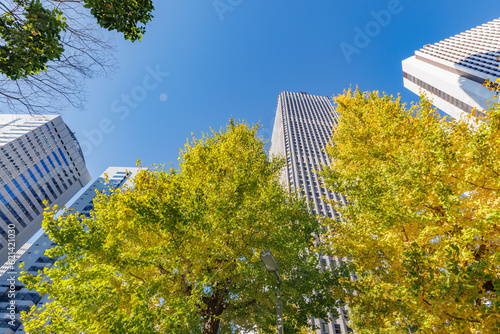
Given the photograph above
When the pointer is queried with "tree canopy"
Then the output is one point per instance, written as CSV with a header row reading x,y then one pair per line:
x,y
30,30
423,225
49,48
179,251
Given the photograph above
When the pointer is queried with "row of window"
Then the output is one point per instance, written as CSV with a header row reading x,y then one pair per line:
x,y
58,169
476,48
11,210
322,110
34,297
312,140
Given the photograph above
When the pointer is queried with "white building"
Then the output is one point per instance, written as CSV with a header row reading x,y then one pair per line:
x,y
40,160
302,128
452,72
32,254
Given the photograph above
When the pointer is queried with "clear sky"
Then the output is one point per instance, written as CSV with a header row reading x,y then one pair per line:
x,y
231,58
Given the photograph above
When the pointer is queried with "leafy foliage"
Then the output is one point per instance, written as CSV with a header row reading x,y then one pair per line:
x,y
128,17
30,40
422,228
179,252
30,30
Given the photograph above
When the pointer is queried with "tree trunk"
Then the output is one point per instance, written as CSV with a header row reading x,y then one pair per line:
x,y
211,325
214,308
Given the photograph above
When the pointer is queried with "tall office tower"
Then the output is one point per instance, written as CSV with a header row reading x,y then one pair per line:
x,y
40,160
12,291
455,69
302,128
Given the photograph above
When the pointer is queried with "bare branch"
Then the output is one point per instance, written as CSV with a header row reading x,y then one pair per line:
x,y
88,54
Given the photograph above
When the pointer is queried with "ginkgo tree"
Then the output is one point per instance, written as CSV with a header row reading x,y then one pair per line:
x,y
422,228
179,251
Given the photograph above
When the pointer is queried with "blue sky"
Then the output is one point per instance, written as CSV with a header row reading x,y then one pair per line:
x,y
203,62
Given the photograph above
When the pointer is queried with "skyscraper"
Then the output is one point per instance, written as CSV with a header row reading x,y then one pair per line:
x,y
302,128
32,254
454,69
40,160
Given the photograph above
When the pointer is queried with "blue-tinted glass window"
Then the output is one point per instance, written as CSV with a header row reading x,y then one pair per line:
x,y
62,155
16,184
44,166
38,170
5,218
50,189
27,199
3,200
44,193
32,175
57,186
45,259
12,211
51,162
9,191
33,192
3,233
57,158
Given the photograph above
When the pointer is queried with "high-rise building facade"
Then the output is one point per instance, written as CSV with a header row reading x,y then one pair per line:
x,y
302,128
452,72
14,296
40,160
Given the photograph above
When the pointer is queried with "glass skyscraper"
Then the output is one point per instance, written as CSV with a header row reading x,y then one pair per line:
x,y
40,160
302,128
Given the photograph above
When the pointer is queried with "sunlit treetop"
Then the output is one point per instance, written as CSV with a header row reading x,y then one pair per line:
x,y
422,230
